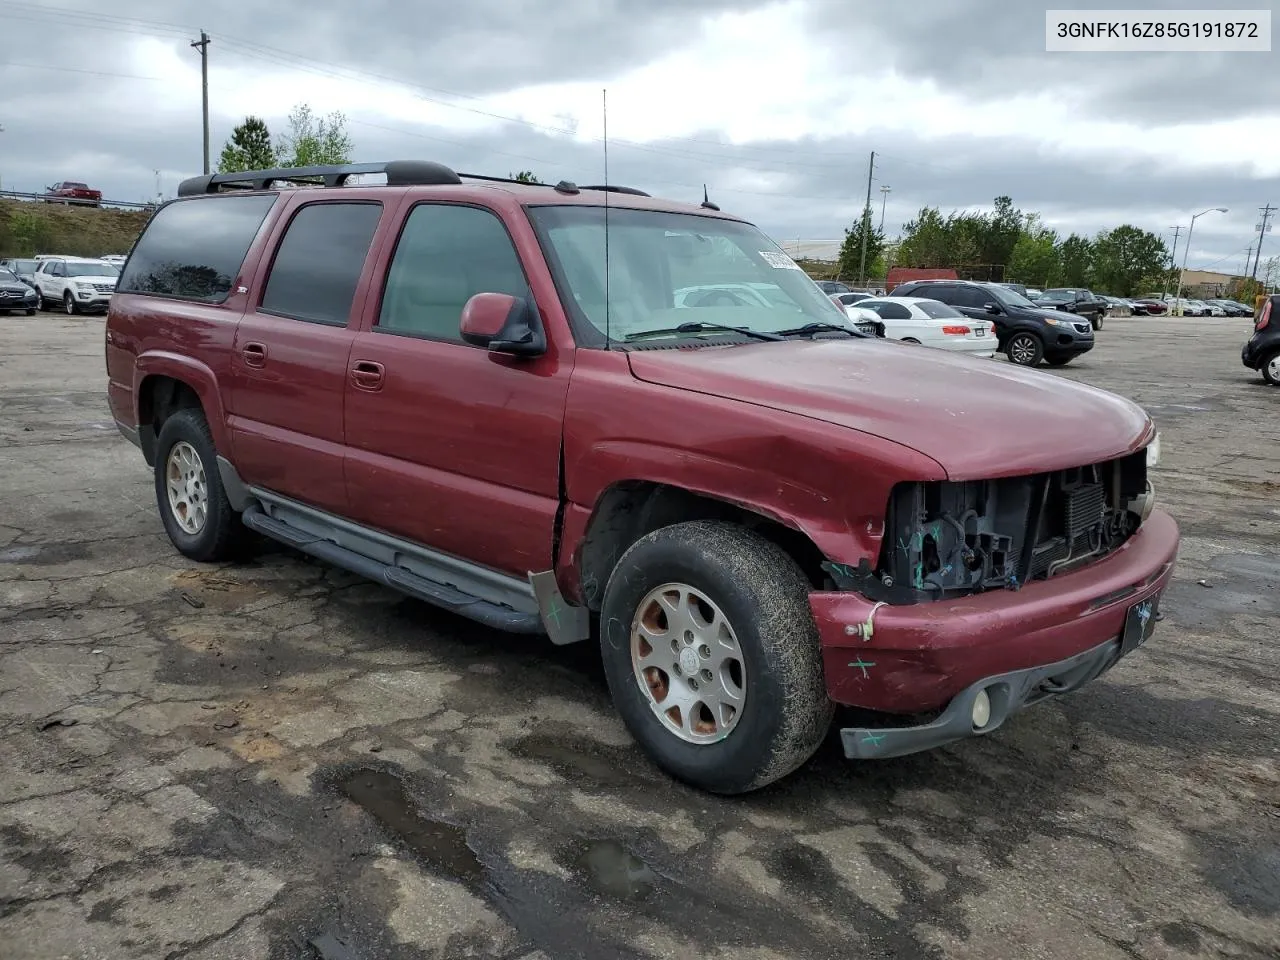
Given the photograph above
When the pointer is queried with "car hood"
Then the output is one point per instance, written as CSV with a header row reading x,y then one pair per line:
x,y
110,280
8,287
977,418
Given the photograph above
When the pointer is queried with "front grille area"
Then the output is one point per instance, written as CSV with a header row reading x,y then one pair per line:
x,y
104,287
947,539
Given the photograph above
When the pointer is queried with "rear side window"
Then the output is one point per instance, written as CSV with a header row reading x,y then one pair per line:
x,y
891,311
319,261
193,249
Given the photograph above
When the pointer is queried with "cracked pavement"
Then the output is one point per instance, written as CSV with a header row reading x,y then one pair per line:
x,y
244,760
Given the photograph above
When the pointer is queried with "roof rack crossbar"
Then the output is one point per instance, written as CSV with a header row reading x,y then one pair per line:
x,y
398,173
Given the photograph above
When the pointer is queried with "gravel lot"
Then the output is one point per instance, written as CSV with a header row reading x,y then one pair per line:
x,y
244,761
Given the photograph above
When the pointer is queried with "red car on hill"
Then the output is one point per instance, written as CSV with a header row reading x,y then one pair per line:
x,y
73,191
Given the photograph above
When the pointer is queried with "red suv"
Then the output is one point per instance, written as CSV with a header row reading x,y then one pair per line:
x,y
591,414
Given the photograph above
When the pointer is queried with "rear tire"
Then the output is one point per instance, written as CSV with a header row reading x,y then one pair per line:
x,y
197,516
31,311
1058,361
726,586
1096,321
1270,368
1024,349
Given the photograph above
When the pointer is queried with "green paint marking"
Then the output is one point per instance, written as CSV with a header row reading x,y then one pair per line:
x,y
553,612
873,739
863,665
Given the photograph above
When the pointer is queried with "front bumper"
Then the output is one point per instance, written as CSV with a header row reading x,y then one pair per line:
x,y
918,658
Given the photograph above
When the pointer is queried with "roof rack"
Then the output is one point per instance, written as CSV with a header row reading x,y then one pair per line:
x,y
399,173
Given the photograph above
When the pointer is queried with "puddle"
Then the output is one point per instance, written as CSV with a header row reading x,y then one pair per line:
x,y
441,846
612,869
18,554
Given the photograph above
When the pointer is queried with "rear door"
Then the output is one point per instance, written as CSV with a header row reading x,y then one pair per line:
x,y
289,362
448,445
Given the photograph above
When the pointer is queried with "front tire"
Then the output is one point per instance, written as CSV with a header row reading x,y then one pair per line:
x,y
193,504
1058,361
712,656
1025,349
69,304
31,311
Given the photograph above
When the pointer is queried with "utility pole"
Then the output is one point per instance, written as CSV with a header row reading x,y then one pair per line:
x,y
1262,230
1173,261
884,196
203,46
866,223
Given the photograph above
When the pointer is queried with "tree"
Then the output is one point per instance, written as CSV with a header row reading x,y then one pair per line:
x,y
1074,261
851,263
1000,232
1271,272
248,149
524,176
1034,258
312,140
924,241
1126,258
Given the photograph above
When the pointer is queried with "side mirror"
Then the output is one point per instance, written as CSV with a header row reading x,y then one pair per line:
x,y
504,324
992,308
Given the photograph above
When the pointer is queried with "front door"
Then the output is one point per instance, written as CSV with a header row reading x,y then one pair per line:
x,y
448,445
289,363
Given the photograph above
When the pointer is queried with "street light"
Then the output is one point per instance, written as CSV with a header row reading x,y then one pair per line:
x,y
1177,300
884,195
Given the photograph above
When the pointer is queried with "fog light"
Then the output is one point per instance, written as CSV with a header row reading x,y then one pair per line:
x,y
981,710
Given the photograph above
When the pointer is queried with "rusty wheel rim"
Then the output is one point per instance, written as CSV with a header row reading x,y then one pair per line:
x,y
688,663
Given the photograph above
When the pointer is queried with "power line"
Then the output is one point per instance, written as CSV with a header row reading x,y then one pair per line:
x,y
92,73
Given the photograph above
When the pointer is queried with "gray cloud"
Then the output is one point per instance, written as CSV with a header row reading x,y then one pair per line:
x,y
63,124
988,48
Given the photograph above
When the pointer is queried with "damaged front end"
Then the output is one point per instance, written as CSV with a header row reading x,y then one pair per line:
x,y
947,539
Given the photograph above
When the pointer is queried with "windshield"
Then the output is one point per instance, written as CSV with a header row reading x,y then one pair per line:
x,y
1010,298
670,269
25,266
8,276
91,270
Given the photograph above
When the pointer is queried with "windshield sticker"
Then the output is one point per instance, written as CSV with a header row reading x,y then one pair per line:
x,y
779,261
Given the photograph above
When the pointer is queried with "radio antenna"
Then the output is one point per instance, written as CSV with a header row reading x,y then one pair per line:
x,y
604,108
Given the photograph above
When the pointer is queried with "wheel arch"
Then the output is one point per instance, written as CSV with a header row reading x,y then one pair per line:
x,y
629,509
165,383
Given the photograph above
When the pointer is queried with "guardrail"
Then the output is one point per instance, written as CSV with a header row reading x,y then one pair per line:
x,y
119,204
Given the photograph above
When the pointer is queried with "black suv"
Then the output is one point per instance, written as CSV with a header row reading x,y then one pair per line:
x,y
1262,352
1027,333
1084,303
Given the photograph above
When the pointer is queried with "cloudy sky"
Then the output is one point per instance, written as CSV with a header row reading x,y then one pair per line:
x,y
775,106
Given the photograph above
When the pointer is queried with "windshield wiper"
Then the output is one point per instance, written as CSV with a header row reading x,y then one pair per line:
x,y
698,326
817,327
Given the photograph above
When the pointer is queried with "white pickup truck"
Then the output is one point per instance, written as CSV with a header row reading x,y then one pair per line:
x,y
75,284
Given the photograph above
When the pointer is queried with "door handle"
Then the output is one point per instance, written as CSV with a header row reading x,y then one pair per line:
x,y
255,354
367,375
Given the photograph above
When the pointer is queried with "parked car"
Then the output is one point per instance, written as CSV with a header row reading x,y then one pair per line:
x,y
755,515
77,284
1026,332
867,321
25,269
15,295
73,191
1017,288
932,323
850,298
1148,307
115,259
1083,303
833,286
1262,351
1232,309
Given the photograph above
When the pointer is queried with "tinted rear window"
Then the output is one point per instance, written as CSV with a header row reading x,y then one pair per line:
x,y
193,249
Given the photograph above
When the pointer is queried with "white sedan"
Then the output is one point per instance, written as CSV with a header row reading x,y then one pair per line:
x,y
933,324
